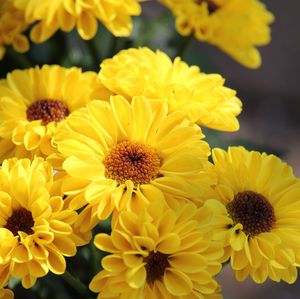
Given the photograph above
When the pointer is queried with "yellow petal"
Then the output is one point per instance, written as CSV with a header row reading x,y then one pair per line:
x,y
177,283
169,243
21,254
132,259
28,281
104,242
65,245
136,277
187,262
113,263
56,262
237,238
37,269
87,25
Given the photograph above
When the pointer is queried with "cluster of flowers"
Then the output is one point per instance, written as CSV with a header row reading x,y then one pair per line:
x,y
237,27
78,147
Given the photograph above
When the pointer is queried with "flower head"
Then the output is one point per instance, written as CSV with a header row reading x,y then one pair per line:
x,y
159,254
237,27
259,202
125,156
34,101
202,98
35,228
12,27
84,15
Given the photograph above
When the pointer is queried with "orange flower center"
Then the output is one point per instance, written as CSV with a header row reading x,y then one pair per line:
x,y
156,264
132,160
253,211
20,220
47,111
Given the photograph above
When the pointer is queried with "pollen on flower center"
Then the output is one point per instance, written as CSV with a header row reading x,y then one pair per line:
x,y
47,111
211,5
20,220
132,160
156,264
253,211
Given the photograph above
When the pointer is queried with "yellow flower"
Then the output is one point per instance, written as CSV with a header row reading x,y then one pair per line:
x,y
12,26
66,14
159,254
125,156
203,98
6,294
35,228
32,101
258,214
237,27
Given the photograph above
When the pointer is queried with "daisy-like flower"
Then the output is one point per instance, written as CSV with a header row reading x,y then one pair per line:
x,y
203,98
259,214
33,101
125,156
84,15
6,294
160,254
12,27
35,228
237,27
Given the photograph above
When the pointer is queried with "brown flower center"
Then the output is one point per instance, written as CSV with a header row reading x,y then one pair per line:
x,y
156,264
20,220
47,111
253,211
211,5
131,160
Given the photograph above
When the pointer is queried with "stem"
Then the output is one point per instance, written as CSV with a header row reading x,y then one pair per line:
x,y
186,42
75,283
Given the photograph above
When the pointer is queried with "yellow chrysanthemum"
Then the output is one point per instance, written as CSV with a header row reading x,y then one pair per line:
x,y
32,101
12,26
259,214
237,27
203,98
125,156
159,254
35,228
84,15
6,294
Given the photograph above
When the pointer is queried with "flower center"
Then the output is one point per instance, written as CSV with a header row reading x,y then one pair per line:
x,y
47,111
211,5
253,211
132,160
156,264
20,220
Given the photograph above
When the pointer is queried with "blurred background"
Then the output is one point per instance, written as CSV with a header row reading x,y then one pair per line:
x,y
270,120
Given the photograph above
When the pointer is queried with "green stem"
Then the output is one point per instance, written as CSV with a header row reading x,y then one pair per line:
x,y
186,42
20,59
75,283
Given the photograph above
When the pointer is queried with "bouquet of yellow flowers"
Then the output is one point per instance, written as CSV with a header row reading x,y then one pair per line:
x,y
109,187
